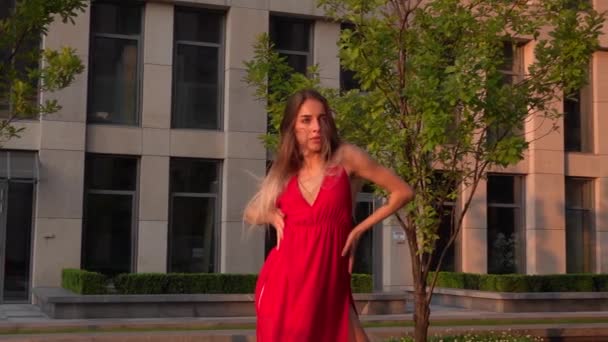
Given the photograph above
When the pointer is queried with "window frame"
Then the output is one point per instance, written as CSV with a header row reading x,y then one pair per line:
x,y
345,74
519,190
8,113
516,74
134,234
587,208
221,75
139,39
311,39
217,229
584,100
5,185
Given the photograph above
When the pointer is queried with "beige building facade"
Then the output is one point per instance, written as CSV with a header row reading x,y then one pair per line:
x,y
156,150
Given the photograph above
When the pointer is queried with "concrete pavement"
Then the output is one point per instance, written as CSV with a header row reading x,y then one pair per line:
x,y
25,323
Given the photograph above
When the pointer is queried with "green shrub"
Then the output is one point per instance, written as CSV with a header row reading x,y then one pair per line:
x,y
511,283
239,283
451,279
524,283
568,283
487,282
194,283
83,282
141,283
361,283
471,280
600,282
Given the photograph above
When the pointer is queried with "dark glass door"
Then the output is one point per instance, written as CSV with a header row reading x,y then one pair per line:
x,y
16,203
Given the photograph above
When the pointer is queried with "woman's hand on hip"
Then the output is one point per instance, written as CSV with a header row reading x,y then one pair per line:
x,y
278,222
350,247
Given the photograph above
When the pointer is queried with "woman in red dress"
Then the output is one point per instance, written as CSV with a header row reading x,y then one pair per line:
x,y
303,292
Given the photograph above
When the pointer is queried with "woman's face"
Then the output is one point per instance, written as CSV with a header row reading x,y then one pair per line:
x,y
307,128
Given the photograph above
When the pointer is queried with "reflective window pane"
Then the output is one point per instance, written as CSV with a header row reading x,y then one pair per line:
x,y
4,172
6,7
503,246
445,232
506,238
508,56
348,80
364,262
111,172
290,34
114,82
579,225
23,165
196,87
299,63
501,189
575,193
107,233
194,176
572,123
192,240
198,26
115,18
17,254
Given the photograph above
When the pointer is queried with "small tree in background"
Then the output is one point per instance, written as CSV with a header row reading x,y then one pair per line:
x,y
25,69
436,103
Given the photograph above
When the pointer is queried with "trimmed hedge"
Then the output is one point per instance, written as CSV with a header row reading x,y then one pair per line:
x,y
523,283
361,283
175,283
83,282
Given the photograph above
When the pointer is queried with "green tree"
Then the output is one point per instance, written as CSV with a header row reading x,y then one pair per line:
x,y
25,68
440,100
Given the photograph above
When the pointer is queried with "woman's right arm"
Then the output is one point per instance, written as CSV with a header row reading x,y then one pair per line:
x,y
274,218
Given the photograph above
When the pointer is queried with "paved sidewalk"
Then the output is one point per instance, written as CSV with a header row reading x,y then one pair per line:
x,y
24,318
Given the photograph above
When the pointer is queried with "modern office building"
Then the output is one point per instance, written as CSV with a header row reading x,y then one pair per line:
x,y
156,150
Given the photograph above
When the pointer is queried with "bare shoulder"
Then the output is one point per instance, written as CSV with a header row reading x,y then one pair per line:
x,y
351,157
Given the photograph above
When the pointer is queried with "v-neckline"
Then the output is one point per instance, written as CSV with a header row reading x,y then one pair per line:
x,y
311,205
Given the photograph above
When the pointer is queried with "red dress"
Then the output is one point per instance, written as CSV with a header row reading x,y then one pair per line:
x,y
303,291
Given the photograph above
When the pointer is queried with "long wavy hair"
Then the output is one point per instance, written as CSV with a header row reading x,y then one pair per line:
x,y
289,158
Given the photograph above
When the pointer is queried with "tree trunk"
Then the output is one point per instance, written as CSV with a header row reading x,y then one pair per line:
x,y
421,313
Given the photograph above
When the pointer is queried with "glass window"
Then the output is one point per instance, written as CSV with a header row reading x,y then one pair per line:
x,y
292,39
578,122
107,172
194,214
512,66
197,71
114,64
198,25
17,205
579,225
506,246
25,56
512,72
110,18
18,165
445,231
364,255
6,8
110,185
347,77
440,183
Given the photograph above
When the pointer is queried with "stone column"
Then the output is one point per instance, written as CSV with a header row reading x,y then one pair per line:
x,y
59,199
242,248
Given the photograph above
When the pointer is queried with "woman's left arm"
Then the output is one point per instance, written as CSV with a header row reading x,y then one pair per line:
x,y
400,193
